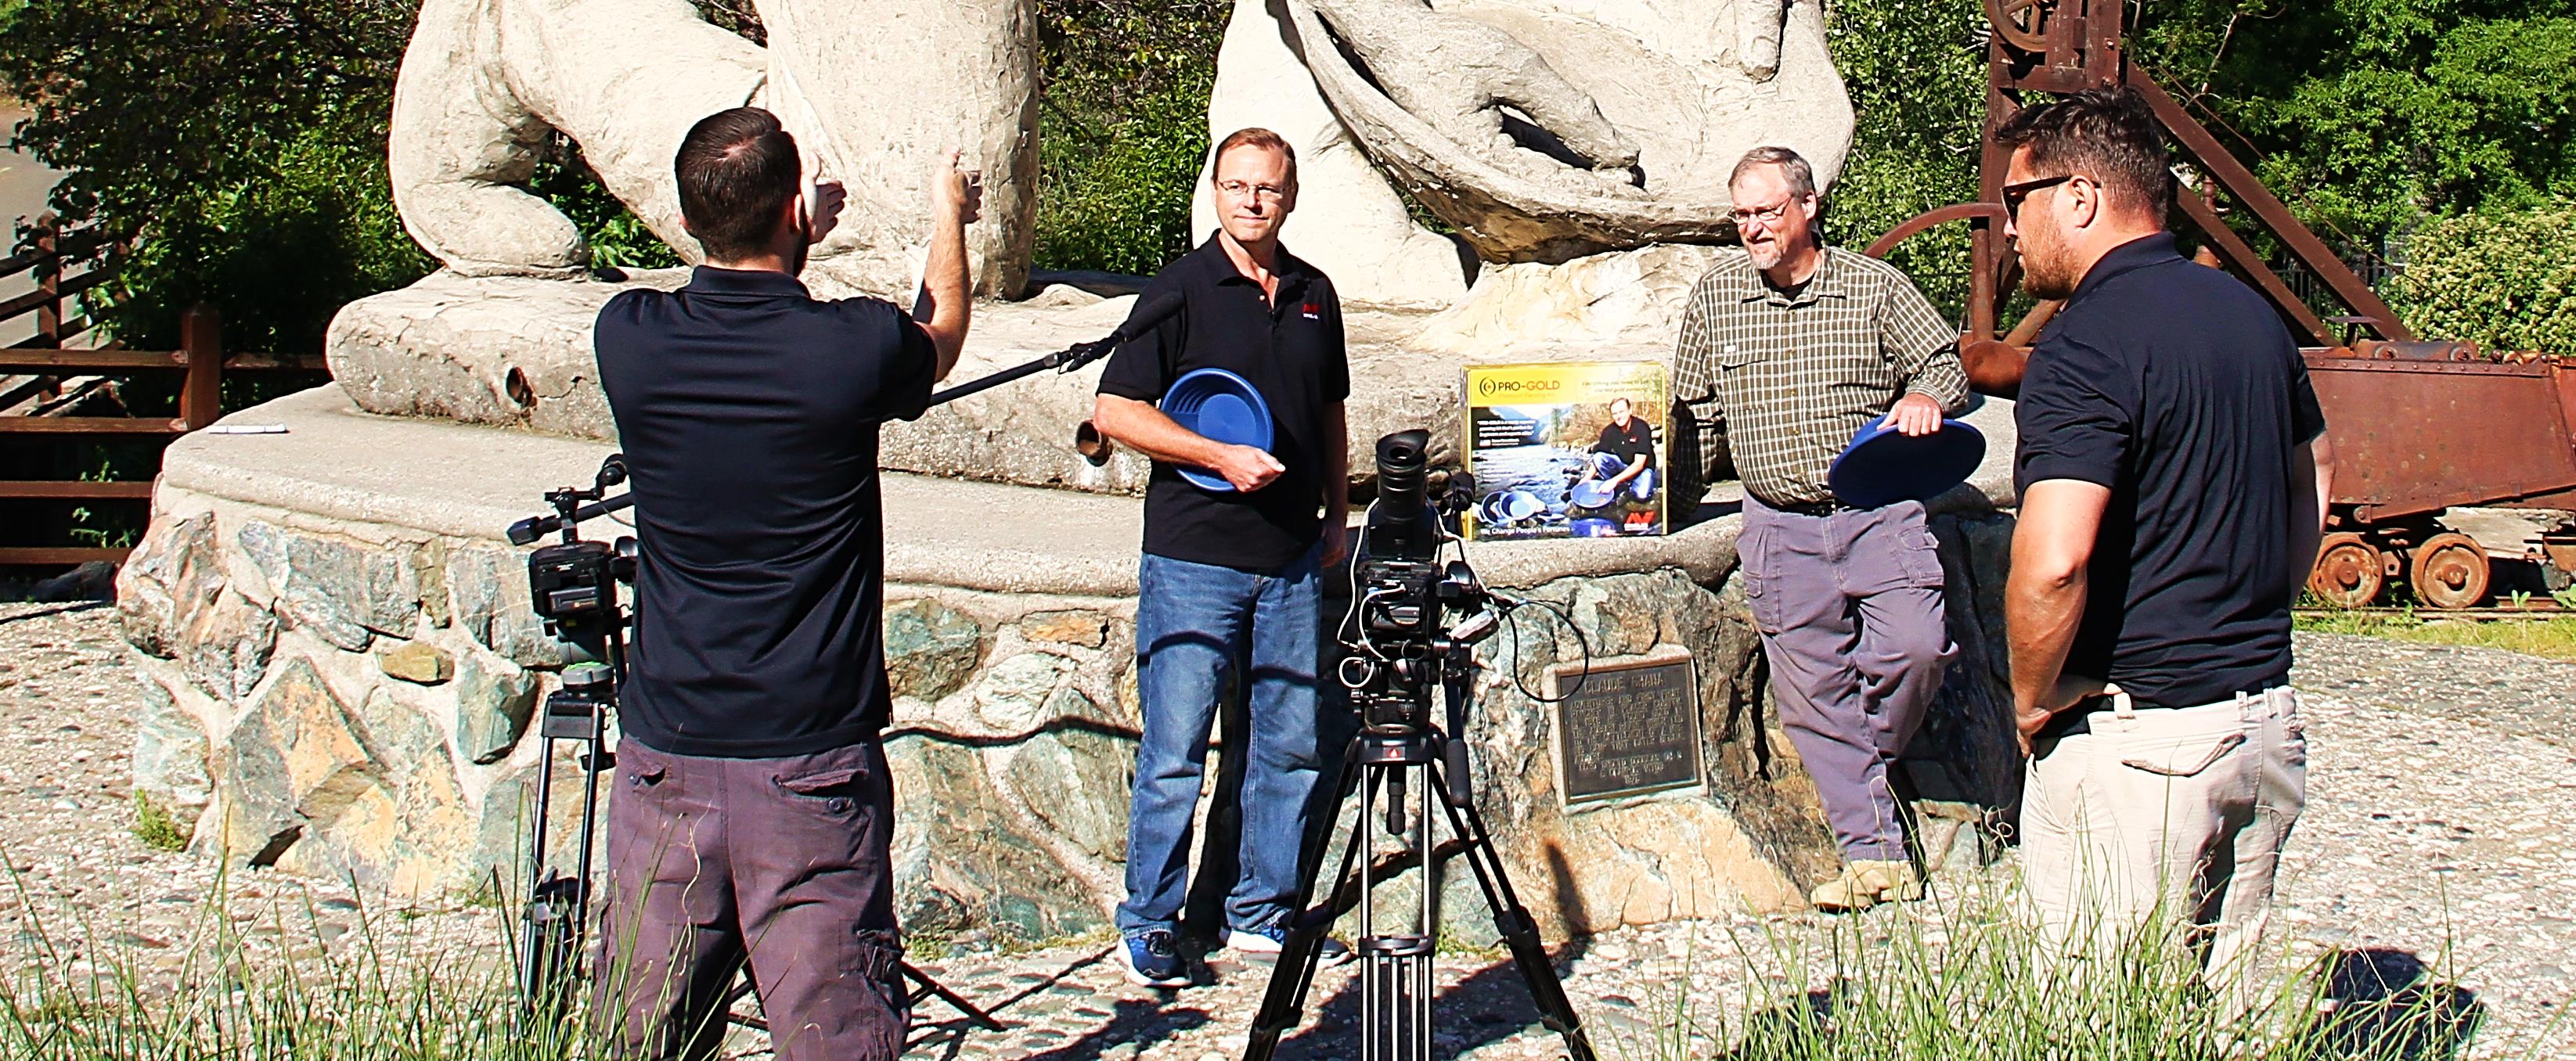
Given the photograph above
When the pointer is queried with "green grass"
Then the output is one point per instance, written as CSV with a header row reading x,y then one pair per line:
x,y
73,992
156,827
1976,984
2554,638
1950,980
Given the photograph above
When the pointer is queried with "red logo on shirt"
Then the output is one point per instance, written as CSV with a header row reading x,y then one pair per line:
x,y
1313,311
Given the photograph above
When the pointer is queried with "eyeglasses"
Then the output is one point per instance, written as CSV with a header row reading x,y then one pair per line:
x,y
2015,193
1240,189
1768,216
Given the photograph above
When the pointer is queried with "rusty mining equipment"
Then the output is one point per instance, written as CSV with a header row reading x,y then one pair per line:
x,y
2418,427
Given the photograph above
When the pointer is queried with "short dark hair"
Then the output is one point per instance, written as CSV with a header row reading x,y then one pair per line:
x,y
1255,136
2109,134
737,170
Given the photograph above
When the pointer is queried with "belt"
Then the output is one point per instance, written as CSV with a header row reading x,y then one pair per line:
x,y
2079,718
1813,508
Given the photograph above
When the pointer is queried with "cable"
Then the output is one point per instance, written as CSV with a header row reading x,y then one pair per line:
x,y
1511,609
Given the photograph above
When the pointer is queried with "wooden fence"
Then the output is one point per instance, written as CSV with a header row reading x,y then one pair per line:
x,y
65,264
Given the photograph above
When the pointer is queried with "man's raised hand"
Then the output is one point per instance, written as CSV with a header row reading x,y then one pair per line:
x,y
956,191
823,200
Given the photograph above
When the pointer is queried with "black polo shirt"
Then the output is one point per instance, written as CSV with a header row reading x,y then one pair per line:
x,y
2177,387
1629,443
748,413
1291,351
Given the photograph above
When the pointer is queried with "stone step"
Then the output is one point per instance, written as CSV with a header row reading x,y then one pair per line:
x,y
517,352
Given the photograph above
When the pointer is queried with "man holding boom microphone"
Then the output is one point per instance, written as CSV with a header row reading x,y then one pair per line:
x,y
1230,581
752,811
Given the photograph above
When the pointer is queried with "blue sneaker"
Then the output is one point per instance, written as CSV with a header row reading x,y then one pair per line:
x,y
1151,960
1266,943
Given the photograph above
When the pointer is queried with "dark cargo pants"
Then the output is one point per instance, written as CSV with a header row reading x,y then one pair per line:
x,y
1849,606
781,862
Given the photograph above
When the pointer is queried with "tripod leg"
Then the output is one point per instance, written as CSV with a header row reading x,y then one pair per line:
x,y
925,986
1520,931
542,919
1283,1002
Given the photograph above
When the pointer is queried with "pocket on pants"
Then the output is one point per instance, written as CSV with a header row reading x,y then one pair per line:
x,y
2180,757
1918,558
839,794
876,955
1751,565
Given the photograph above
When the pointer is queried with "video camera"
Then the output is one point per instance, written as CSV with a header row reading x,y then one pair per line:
x,y
1413,625
1403,595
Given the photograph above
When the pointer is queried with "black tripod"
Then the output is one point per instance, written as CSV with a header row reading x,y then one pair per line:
x,y
1401,755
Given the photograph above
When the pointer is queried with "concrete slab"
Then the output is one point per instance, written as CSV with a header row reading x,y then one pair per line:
x,y
515,352
338,462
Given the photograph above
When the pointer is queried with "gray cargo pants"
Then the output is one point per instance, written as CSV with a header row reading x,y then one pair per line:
x,y
783,863
1850,610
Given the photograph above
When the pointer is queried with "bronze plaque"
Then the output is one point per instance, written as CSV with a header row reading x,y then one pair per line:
x,y
1630,726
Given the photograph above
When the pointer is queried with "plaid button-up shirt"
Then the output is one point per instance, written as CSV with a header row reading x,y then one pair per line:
x,y
1784,381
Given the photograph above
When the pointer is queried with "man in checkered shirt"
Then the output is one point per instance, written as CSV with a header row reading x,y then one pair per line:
x,y
1784,354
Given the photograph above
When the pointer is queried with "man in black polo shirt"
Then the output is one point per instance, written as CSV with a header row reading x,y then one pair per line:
x,y
2173,468
752,813
1229,584
1630,442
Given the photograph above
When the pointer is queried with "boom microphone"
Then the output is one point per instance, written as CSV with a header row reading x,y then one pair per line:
x,y
1087,439
1146,315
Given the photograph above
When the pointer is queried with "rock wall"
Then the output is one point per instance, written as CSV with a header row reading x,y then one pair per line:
x,y
352,699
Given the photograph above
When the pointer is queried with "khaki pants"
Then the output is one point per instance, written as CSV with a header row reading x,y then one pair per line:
x,y
2178,811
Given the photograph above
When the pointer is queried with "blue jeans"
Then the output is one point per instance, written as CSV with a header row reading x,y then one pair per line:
x,y
1194,623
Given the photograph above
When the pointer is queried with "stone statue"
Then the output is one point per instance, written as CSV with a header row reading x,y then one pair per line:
x,y
1540,130
870,88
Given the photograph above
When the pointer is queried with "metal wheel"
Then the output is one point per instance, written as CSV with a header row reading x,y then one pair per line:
x,y
2449,571
2347,574
2021,23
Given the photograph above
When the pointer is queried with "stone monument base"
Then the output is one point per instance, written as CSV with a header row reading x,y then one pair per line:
x,y
343,667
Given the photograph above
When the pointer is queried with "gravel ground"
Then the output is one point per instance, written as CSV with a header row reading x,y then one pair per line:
x,y
2442,786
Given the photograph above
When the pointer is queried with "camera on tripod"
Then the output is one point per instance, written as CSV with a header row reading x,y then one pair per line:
x,y
1403,594
572,586
1410,633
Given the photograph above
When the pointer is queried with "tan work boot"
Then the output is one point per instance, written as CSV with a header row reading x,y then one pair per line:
x,y
1867,883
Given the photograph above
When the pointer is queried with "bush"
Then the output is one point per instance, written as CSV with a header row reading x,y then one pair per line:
x,y
1122,129
2504,279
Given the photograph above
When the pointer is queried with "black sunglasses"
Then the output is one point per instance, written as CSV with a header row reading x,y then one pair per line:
x,y
2014,193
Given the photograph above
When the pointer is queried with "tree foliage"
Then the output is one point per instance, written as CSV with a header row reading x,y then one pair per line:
x,y
2504,279
1916,74
1122,129
2370,116
236,146
235,149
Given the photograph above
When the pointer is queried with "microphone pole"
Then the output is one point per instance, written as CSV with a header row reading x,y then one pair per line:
x,y
1139,320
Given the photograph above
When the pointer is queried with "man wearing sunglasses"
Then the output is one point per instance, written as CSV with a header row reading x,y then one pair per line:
x,y
2173,470
1784,354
